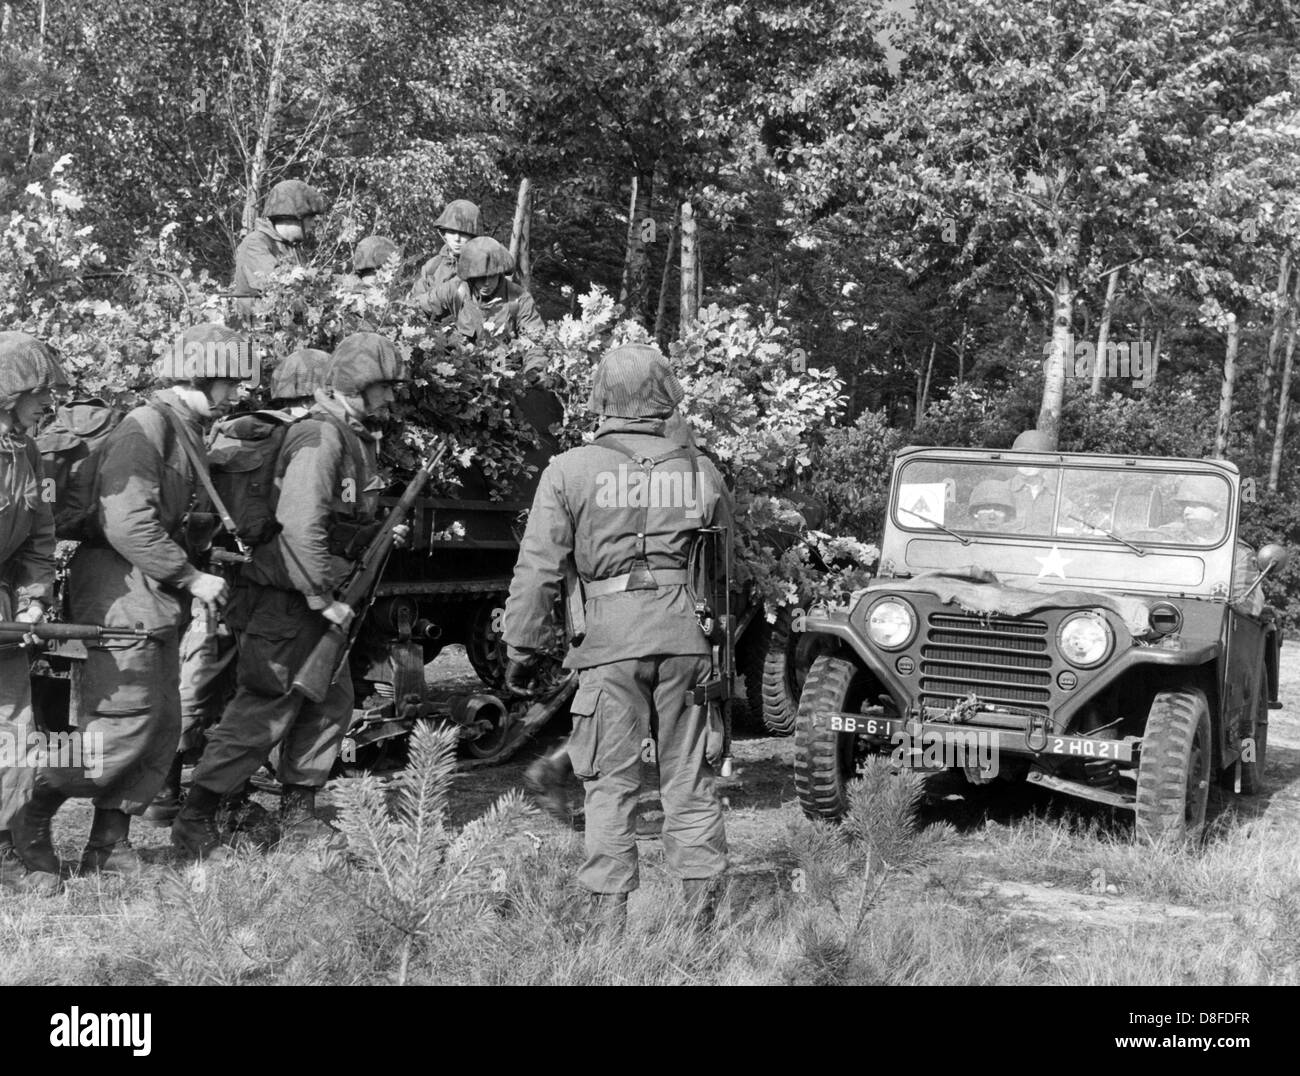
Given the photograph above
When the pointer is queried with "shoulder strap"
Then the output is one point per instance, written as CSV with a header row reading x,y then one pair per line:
x,y
199,463
648,464
351,444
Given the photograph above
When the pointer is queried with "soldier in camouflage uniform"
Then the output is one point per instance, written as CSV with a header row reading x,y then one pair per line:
x,y
460,222
288,219
327,495
644,649
208,656
28,373
372,254
487,307
135,570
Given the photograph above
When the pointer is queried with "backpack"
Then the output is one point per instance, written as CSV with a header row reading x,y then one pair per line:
x,y
66,445
242,453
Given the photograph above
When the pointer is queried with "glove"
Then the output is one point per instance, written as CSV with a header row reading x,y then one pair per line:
x,y
519,677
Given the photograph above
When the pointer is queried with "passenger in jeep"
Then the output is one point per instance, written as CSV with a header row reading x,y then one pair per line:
x,y
992,507
1201,499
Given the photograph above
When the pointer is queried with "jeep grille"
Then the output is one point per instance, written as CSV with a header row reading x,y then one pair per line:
x,y
1003,662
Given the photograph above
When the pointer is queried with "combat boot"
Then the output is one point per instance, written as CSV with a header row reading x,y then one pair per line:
x,y
30,831
109,848
167,804
298,822
701,901
195,833
241,813
17,878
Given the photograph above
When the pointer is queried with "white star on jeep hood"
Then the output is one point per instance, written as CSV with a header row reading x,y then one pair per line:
x,y
1053,564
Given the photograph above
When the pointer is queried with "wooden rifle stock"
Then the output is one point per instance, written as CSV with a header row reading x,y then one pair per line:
x,y
322,666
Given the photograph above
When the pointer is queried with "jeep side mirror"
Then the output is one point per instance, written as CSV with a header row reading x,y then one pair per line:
x,y
1273,557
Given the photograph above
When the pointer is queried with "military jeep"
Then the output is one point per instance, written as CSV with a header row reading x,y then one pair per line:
x,y
1088,623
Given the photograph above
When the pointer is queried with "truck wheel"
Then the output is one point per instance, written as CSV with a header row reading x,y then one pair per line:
x,y
1173,784
823,759
485,648
776,668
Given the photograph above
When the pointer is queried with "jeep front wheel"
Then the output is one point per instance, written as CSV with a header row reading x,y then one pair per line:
x,y
823,759
1173,784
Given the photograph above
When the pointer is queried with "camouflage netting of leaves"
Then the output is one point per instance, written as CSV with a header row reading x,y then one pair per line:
x,y
754,409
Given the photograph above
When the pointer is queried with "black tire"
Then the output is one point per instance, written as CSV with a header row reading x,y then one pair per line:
x,y
823,759
485,648
776,668
1173,784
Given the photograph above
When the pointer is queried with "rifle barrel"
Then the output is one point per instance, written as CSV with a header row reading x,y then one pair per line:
x,y
16,629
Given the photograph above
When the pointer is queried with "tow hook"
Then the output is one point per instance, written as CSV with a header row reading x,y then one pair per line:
x,y
1036,733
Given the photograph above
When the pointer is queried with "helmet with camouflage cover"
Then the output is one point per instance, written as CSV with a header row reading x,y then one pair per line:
x,y
300,374
293,198
1033,441
992,494
460,216
26,365
482,257
363,359
635,381
1201,489
224,352
373,252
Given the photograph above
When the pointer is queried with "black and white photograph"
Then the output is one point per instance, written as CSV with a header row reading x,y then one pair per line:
x,y
651,493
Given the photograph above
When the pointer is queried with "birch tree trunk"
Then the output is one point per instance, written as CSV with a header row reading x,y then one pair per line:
x,y
1225,393
274,84
1274,340
1103,331
1049,414
689,296
1284,394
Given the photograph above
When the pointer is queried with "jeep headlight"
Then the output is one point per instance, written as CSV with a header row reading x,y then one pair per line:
x,y
1085,639
890,623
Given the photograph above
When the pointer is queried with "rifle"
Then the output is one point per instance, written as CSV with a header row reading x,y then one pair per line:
x,y
322,666
11,630
711,557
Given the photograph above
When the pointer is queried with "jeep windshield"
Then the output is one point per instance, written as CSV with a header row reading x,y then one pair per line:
x,y
1002,499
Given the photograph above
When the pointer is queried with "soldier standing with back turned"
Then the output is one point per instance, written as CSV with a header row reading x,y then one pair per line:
x,y
644,649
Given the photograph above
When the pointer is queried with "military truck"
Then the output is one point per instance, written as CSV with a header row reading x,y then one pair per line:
x,y
1091,624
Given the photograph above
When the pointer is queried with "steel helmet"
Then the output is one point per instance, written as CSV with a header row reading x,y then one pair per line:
x,y
293,198
373,252
1201,489
299,374
483,256
460,216
363,359
992,494
26,365
219,363
634,381
1033,441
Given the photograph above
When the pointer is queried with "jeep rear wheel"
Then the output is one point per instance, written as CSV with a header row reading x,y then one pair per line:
x,y
823,759
1173,784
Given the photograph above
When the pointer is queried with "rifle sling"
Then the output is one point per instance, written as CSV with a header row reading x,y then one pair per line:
x,y
198,461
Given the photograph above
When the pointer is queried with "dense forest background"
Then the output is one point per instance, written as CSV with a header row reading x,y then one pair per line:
x,y
953,204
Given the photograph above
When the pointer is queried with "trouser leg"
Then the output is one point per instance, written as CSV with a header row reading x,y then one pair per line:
x,y
16,722
610,722
694,839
